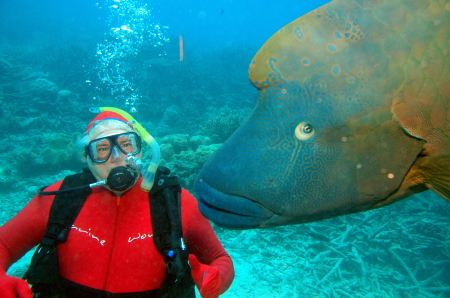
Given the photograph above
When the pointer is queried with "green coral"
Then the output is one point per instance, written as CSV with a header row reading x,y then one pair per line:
x,y
179,143
43,89
5,67
167,152
223,122
61,152
197,141
188,164
6,179
49,153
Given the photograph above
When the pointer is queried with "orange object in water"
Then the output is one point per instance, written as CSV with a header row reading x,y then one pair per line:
x,y
181,49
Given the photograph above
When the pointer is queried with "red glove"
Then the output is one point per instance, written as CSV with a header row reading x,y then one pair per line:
x,y
205,277
14,287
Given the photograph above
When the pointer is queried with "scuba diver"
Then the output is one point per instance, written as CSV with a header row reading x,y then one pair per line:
x,y
119,229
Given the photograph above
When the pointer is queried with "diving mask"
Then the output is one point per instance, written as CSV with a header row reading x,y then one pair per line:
x,y
100,150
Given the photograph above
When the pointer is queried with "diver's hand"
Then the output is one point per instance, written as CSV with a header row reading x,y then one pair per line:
x,y
205,277
14,287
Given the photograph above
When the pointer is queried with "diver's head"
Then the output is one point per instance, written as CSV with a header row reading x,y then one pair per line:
x,y
108,143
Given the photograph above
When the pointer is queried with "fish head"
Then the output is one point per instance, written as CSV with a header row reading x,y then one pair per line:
x,y
324,139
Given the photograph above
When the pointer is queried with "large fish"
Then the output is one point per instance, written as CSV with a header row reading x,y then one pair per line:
x,y
353,115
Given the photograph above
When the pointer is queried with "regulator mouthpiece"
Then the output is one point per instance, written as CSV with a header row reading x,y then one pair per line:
x,y
133,163
120,179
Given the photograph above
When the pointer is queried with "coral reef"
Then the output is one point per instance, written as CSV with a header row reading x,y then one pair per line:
x,y
184,142
5,67
64,96
6,178
167,152
196,141
48,153
185,155
43,90
61,152
221,123
187,164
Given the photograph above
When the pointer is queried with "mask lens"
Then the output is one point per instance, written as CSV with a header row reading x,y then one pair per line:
x,y
128,143
100,150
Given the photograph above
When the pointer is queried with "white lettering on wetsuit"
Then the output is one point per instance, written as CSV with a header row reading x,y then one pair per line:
x,y
139,236
102,242
88,232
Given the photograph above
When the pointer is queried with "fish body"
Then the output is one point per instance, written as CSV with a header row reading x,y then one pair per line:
x,y
353,114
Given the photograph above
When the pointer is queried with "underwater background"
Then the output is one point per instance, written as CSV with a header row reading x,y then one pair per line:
x,y
59,58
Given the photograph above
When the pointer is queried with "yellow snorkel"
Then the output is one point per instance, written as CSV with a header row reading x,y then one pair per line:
x,y
149,174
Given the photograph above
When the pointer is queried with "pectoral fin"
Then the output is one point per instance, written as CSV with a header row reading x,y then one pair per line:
x,y
435,172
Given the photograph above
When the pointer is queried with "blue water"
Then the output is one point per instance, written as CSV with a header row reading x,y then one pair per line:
x,y
55,30
218,23
53,67
202,23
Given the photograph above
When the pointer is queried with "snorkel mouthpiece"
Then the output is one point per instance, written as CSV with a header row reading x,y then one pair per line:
x,y
148,175
120,179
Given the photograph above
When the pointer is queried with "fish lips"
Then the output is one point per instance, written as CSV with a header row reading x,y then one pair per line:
x,y
230,211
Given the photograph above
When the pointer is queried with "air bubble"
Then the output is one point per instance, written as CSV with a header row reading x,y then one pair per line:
x,y
132,29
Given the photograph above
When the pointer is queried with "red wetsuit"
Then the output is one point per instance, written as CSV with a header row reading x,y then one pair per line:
x,y
110,246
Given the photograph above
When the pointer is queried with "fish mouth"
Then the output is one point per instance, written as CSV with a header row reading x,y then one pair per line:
x,y
230,211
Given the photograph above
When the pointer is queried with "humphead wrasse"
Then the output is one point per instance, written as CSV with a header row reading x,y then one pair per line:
x,y
353,114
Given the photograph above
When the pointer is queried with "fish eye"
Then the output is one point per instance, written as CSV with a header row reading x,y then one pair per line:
x,y
304,131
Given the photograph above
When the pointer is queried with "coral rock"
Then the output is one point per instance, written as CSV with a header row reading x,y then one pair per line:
x,y
167,152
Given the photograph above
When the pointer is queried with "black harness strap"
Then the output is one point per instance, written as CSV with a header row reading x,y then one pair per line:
x,y
165,207
67,206
44,269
